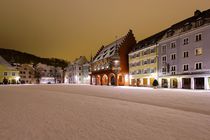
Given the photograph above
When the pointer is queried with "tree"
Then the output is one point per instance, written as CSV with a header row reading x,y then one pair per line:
x,y
155,83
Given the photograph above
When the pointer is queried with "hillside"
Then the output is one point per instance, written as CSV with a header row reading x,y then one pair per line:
x,y
14,56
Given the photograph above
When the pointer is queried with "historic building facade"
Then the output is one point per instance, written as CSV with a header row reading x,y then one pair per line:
x,y
110,64
27,74
78,71
143,61
46,74
184,54
8,74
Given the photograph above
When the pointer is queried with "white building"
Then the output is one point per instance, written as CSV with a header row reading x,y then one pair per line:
x,y
78,71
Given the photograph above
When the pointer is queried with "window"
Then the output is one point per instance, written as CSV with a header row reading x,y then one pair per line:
x,y
153,60
173,45
79,74
198,37
186,54
173,70
199,23
163,59
164,49
5,73
198,66
153,50
173,56
13,73
186,41
163,70
144,62
170,33
187,27
152,70
198,51
185,67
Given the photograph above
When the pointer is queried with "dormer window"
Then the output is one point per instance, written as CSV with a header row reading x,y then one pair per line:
x,y
170,33
199,22
187,27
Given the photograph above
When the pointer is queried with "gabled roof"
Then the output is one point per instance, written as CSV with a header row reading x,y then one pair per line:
x,y
5,63
109,50
152,40
81,60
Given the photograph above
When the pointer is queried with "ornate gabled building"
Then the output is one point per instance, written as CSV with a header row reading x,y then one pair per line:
x,y
110,64
184,53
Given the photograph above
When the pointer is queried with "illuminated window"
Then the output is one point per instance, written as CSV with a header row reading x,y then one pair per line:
x,y
198,51
5,73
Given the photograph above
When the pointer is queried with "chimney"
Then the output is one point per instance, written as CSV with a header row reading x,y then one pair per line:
x,y
197,12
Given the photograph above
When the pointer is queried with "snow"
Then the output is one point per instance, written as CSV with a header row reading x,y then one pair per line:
x,y
83,112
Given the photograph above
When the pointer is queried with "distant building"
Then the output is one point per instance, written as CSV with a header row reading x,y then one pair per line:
x,y
77,72
8,73
143,61
45,73
184,53
110,64
85,73
27,74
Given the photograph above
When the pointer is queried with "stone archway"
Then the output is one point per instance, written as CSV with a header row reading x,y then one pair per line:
x,y
105,80
98,80
120,79
112,79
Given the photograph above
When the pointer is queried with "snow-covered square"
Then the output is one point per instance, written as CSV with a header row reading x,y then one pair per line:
x,y
83,112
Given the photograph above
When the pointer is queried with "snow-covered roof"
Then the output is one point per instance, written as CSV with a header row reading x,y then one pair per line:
x,y
5,63
109,50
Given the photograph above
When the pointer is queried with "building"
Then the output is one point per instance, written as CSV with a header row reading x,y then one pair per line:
x,y
143,61
8,74
27,74
85,73
46,74
110,65
184,53
78,71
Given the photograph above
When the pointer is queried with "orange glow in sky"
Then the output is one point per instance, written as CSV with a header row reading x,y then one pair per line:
x,y
70,28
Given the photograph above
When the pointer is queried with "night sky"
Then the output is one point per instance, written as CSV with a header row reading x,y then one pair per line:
x,y
69,28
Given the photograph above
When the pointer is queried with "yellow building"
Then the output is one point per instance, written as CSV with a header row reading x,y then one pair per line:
x,y
143,61
8,72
